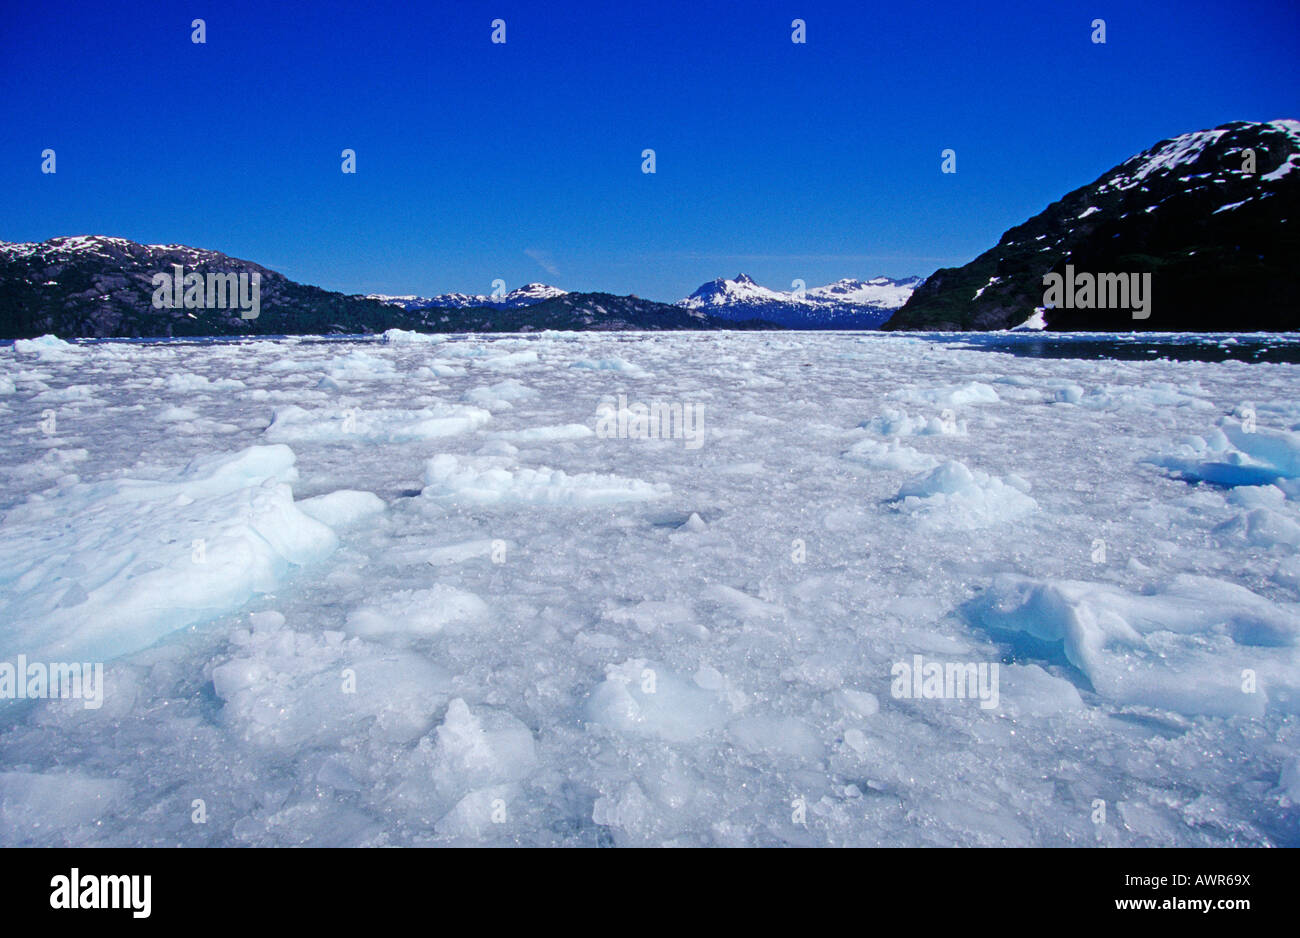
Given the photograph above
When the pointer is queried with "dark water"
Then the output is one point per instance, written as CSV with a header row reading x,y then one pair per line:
x,y
1218,347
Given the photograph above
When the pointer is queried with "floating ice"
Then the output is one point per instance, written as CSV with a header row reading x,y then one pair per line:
x,y
35,806
417,612
495,631
972,392
102,569
890,455
345,426
568,431
72,393
187,382
1186,646
484,480
953,496
177,415
343,508
292,689
509,362
620,365
898,423
46,348
359,366
500,396
405,337
1030,690
55,464
478,747
461,552
1234,455
1289,781
1142,397
645,699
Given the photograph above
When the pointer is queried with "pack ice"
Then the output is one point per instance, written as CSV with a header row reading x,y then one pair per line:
x,y
398,591
94,570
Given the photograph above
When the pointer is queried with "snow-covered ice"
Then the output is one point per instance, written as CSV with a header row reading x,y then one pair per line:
x,y
401,592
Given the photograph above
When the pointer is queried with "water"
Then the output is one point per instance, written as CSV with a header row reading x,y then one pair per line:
x,y
1201,347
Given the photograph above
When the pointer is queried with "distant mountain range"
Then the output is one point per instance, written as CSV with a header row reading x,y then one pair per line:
x,y
527,295
845,304
580,312
99,286
1220,239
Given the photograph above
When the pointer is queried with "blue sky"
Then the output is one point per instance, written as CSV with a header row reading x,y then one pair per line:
x,y
523,161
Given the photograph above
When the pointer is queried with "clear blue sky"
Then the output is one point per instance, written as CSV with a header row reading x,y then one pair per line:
x,y
523,161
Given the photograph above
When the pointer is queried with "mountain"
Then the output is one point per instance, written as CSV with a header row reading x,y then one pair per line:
x,y
845,304
527,295
1221,245
99,286
581,312
93,285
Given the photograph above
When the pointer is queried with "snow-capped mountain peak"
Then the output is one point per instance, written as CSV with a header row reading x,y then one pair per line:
x,y
97,246
537,291
526,295
737,292
848,303
877,293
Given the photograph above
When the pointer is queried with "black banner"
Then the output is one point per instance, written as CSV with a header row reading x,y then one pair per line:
x,y
331,888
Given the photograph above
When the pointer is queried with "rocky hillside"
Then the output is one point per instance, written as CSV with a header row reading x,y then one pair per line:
x,y
579,312
97,286
1221,243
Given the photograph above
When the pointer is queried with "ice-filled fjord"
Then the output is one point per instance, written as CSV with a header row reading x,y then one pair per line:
x,y
443,590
